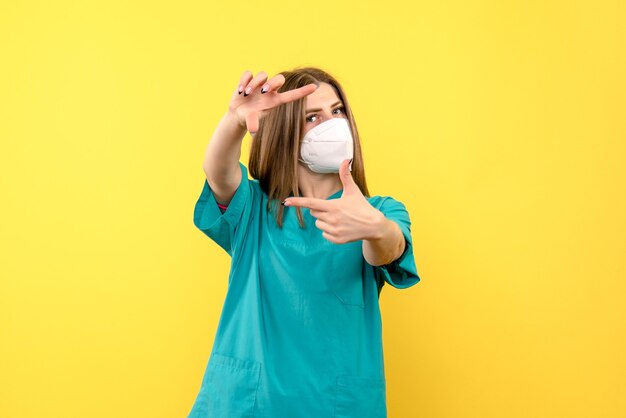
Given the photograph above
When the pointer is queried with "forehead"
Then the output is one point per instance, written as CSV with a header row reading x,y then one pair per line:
x,y
324,96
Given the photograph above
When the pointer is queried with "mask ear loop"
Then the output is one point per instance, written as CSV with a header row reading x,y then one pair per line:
x,y
299,155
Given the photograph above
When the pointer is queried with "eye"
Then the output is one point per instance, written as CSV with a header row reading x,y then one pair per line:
x,y
309,118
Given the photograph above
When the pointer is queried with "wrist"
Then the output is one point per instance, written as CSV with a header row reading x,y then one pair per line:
x,y
232,119
378,227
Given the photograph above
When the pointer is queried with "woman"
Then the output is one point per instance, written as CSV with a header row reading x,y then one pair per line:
x,y
300,334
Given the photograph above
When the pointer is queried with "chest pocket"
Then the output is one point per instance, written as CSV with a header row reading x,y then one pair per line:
x,y
347,273
228,389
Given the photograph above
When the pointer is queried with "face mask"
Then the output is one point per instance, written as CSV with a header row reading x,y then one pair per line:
x,y
324,147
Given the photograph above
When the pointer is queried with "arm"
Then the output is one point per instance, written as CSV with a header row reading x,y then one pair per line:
x,y
386,246
221,158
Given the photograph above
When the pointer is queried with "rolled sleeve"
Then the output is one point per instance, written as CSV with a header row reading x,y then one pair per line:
x,y
402,272
221,226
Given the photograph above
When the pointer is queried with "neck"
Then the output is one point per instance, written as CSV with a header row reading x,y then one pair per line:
x,y
317,185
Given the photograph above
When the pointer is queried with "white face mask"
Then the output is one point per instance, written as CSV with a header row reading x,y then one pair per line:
x,y
324,147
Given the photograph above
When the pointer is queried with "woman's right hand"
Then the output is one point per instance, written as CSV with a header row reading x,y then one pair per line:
x,y
256,95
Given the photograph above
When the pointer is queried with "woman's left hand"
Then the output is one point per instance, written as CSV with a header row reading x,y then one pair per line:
x,y
349,218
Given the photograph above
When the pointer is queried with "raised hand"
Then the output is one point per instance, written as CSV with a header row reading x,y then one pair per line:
x,y
256,95
349,218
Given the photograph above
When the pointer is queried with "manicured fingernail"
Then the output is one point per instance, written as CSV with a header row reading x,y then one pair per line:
x,y
282,203
240,89
264,89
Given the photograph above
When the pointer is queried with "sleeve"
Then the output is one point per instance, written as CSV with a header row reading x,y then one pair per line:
x,y
222,225
402,272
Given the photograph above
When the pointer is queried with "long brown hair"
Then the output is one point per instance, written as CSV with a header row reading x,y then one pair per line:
x,y
276,144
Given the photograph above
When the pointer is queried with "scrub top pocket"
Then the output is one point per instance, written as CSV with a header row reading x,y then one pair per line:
x,y
229,388
362,397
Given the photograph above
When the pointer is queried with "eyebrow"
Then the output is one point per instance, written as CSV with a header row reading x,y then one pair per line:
x,y
317,110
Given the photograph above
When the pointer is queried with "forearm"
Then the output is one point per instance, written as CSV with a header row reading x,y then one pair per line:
x,y
387,244
221,158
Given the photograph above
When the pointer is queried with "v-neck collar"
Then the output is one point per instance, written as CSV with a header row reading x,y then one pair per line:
x,y
335,195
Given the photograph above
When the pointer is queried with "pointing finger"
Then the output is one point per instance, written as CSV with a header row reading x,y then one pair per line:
x,y
298,93
309,202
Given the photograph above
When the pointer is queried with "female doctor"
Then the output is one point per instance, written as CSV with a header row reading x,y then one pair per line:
x,y
300,333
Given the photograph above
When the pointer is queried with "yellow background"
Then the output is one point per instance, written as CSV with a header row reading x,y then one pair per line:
x,y
501,125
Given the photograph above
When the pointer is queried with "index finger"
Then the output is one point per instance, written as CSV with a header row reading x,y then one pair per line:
x,y
309,202
295,94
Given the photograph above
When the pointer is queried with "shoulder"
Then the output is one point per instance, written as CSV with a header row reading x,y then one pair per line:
x,y
384,203
252,182
392,208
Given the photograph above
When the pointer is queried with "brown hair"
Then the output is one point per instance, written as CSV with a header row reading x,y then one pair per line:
x,y
276,144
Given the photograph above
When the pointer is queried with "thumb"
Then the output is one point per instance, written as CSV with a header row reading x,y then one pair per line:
x,y
252,121
349,186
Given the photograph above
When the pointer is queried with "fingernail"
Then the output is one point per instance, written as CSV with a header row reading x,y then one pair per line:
x,y
264,90
240,89
282,203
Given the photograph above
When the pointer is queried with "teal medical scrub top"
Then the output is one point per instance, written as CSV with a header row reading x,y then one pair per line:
x,y
300,333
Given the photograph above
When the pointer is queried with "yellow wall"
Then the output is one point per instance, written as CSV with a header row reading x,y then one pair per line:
x,y
500,124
